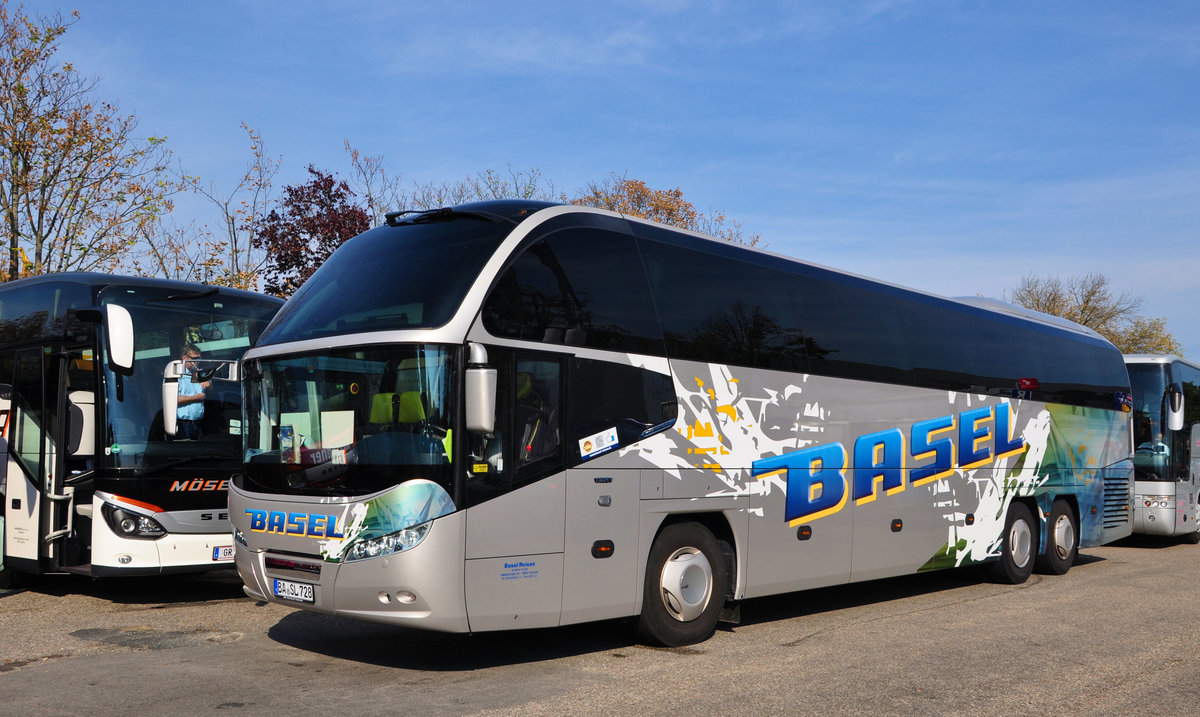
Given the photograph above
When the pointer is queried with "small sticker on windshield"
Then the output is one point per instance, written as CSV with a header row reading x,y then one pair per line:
x,y
287,439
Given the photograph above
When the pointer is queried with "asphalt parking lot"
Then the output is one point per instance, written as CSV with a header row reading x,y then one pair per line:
x,y
1119,634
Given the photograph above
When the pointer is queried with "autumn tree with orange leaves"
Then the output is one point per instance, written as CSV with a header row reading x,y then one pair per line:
x,y
77,186
665,206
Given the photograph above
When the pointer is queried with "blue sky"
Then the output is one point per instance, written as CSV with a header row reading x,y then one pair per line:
x,y
949,146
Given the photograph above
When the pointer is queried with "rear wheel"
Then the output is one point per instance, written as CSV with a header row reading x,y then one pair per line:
x,y
1192,538
1062,540
686,583
1018,547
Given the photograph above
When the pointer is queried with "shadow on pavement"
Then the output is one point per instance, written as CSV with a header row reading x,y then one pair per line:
x,y
398,647
222,584
388,646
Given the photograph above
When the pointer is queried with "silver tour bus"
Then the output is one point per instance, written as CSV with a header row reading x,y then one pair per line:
x,y
516,414
1166,441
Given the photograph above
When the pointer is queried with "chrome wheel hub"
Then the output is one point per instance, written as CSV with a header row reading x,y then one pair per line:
x,y
686,584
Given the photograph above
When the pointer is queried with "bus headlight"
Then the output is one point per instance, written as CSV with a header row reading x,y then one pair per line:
x,y
128,524
387,544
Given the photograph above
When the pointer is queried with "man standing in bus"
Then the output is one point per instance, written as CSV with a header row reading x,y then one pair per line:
x,y
191,397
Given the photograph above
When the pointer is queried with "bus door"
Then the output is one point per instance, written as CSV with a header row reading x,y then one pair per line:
x,y
39,509
73,476
515,522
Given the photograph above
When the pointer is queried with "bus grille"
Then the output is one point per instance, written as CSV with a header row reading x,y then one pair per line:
x,y
1118,497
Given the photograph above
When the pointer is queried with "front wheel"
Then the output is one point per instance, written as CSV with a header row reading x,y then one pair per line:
x,y
1192,538
1062,543
1018,547
685,588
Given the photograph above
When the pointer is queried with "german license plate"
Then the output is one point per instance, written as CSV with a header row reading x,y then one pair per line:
x,y
288,590
223,552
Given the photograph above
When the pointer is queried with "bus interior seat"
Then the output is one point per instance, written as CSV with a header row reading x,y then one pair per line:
x,y
397,408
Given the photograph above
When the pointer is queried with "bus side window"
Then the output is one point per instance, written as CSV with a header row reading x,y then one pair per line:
x,y
537,411
606,397
526,444
488,472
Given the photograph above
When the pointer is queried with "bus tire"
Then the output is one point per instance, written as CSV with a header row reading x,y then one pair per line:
x,y
1018,547
685,588
1062,540
1192,538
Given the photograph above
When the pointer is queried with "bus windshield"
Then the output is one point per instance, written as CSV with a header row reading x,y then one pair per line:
x,y
390,278
215,327
1151,458
351,421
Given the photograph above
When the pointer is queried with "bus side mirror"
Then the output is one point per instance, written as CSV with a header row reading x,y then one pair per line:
x,y
170,395
480,392
120,336
119,323
1174,408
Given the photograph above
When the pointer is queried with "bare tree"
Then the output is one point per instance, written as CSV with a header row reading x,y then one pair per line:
x,y
382,193
1088,300
235,260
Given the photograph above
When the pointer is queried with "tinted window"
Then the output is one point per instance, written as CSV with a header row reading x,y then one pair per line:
x,y
855,329
412,276
722,304
715,308
526,443
581,286
961,349
1079,370
26,314
606,396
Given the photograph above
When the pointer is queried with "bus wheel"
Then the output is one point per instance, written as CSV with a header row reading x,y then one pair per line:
x,y
1192,538
1062,541
1019,546
686,583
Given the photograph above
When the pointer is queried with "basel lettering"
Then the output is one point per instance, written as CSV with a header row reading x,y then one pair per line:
x,y
816,476
312,525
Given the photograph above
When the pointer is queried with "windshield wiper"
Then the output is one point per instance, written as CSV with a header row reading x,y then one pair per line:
x,y
445,214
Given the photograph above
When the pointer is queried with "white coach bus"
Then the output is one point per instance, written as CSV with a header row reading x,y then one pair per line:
x,y
96,481
516,414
